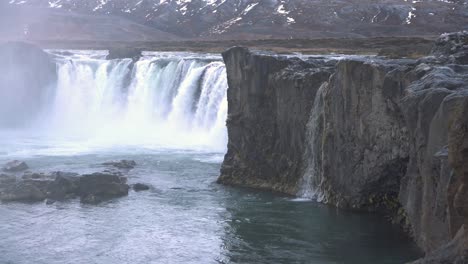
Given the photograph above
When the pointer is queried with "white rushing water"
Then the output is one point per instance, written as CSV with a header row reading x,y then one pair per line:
x,y
166,100
311,179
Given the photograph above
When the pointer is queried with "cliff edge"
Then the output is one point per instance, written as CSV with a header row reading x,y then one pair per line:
x,y
369,133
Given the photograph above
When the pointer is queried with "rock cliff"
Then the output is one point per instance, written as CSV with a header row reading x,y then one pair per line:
x,y
369,133
268,97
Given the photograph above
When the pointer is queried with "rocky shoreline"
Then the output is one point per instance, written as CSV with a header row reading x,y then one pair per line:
x,y
367,133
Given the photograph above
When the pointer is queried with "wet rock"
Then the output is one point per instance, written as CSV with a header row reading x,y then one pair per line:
x,y
91,199
28,175
113,172
6,182
59,186
124,53
27,191
15,166
121,164
137,187
99,186
50,201
6,179
64,186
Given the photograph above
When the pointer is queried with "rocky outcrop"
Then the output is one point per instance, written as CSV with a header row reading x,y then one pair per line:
x,y
367,133
15,166
138,187
59,186
124,53
96,187
432,109
452,47
27,72
121,164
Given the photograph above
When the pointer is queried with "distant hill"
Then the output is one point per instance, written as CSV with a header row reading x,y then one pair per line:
x,y
33,23
243,19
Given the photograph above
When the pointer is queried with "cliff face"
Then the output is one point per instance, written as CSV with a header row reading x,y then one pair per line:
x,y
268,97
365,133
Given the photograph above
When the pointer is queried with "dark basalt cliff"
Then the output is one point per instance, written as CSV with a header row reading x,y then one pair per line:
x,y
366,133
268,97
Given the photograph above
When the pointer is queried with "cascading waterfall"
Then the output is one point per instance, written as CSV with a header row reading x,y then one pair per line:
x,y
311,180
163,100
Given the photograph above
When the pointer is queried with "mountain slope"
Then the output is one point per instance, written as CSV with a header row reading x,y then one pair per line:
x,y
247,19
37,23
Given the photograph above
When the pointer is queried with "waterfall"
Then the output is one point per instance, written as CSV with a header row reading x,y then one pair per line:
x,y
164,100
311,180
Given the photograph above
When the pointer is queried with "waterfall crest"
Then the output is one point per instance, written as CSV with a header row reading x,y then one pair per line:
x,y
164,100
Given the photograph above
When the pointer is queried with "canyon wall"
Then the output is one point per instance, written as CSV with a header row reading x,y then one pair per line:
x,y
267,98
367,133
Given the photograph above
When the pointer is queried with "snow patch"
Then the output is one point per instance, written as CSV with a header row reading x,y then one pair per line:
x,y
411,15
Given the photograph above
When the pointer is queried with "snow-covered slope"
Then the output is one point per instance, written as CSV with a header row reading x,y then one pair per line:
x,y
279,18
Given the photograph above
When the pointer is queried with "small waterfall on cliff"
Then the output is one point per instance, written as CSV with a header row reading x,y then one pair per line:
x,y
308,185
165,100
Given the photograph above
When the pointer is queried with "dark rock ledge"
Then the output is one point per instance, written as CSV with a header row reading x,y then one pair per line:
x,y
60,186
366,133
124,53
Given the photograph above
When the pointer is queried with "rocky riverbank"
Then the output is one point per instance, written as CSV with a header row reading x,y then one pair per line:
x,y
368,133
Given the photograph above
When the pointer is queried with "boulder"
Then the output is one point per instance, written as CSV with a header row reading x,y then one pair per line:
x,y
58,186
137,187
121,164
64,186
29,175
91,199
26,191
15,166
96,187
6,181
124,53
